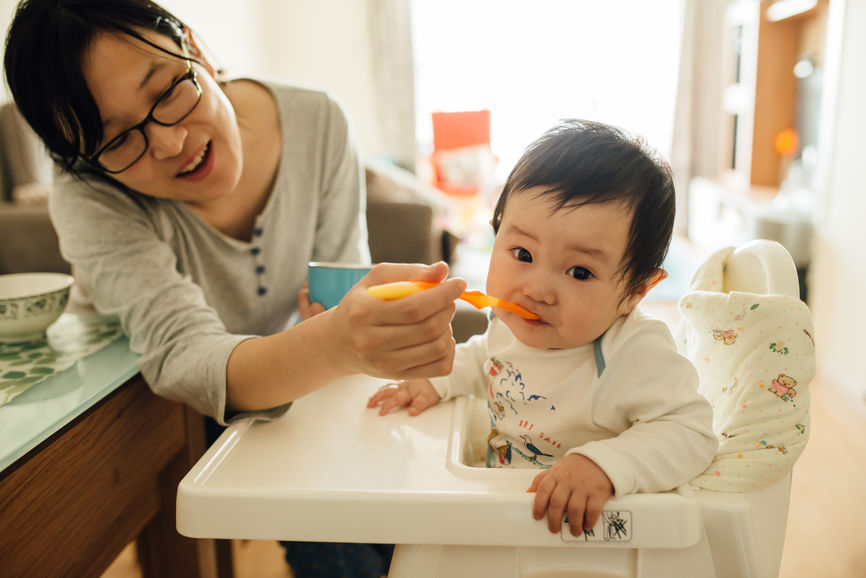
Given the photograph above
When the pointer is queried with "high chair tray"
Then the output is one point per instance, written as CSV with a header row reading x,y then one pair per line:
x,y
333,470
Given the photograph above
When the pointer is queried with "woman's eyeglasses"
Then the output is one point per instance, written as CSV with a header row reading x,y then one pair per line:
x,y
173,105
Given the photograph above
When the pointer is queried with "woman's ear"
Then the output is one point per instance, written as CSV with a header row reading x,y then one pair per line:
x,y
638,294
196,52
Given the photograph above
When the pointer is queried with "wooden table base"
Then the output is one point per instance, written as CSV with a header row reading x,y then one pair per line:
x,y
72,504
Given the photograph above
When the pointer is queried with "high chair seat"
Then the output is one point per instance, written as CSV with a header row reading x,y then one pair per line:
x,y
331,470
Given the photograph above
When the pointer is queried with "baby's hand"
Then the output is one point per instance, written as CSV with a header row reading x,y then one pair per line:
x,y
574,484
418,394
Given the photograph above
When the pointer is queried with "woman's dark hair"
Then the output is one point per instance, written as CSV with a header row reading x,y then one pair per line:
x,y
581,162
44,48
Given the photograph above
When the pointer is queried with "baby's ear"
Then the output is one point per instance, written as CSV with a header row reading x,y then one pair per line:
x,y
638,294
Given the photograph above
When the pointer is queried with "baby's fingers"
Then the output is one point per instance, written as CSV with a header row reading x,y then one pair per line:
x,y
398,400
557,503
421,402
537,480
577,515
594,506
542,485
382,394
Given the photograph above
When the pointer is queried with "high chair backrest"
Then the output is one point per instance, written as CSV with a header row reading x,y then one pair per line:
x,y
763,267
751,339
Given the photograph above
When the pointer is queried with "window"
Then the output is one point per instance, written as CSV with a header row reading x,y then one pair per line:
x,y
532,63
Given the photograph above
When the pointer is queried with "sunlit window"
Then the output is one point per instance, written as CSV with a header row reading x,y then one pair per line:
x,y
532,63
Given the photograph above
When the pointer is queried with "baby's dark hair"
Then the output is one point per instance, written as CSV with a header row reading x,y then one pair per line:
x,y
580,162
44,51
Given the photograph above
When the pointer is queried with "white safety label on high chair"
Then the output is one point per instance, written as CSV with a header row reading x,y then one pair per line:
x,y
612,526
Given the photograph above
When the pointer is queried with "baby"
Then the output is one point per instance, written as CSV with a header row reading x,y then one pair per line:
x,y
594,391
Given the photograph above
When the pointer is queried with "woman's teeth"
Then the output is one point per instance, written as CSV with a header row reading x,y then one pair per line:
x,y
195,162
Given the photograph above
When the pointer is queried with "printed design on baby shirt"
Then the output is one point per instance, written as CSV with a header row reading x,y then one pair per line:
x,y
501,448
533,452
514,409
783,387
727,336
507,390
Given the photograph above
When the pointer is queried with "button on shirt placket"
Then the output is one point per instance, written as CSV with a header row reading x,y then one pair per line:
x,y
260,268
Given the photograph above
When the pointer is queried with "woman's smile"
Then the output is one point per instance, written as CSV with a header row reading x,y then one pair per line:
x,y
199,166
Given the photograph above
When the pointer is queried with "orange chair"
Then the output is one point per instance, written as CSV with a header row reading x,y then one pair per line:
x,y
462,159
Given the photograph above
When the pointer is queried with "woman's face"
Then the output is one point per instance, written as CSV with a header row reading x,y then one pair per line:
x,y
196,161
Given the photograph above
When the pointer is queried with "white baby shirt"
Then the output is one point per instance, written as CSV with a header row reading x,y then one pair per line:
x,y
629,402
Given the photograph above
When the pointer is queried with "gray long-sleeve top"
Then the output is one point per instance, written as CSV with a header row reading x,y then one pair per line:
x,y
185,293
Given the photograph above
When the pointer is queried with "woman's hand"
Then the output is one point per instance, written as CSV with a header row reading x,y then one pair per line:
x,y
418,394
401,339
575,484
306,308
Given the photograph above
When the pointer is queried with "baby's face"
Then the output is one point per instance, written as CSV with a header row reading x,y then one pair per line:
x,y
562,265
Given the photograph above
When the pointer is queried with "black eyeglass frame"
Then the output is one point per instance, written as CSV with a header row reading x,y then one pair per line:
x,y
190,74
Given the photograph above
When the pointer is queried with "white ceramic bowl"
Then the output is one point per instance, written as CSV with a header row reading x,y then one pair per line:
x,y
30,302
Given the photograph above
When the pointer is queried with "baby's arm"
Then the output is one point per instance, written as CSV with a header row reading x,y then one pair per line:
x,y
576,485
418,394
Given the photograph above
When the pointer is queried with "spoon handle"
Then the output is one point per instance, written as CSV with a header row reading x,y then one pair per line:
x,y
477,299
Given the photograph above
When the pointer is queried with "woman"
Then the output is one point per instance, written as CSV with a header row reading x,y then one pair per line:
x,y
191,206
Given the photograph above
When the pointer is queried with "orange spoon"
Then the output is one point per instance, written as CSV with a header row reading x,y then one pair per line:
x,y
477,299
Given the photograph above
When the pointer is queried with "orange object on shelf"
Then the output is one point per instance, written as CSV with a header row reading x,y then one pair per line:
x,y
462,159
786,142
453,130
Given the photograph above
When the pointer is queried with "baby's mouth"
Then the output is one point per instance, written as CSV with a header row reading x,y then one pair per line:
x,y
196,162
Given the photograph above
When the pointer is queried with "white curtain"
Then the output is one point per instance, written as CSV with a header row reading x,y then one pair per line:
x,y
696,144
391,62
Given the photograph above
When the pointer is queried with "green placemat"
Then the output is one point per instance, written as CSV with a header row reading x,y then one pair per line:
x,y
72,337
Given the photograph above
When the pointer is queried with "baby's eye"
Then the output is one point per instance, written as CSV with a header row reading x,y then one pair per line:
x,y
579,273
522,254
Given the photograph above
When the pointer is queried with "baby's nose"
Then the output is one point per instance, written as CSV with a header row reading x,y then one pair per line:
x,y
540,290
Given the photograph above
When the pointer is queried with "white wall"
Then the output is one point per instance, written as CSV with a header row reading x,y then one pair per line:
x,y
326,44
837,283
7,9
229,28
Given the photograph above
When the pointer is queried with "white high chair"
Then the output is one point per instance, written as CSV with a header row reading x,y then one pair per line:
x,y
331,470
688,533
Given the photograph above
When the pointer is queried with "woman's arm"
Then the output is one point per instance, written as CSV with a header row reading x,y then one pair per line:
x,y
400,339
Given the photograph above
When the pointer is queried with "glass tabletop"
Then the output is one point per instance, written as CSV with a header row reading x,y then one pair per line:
x,y
45,408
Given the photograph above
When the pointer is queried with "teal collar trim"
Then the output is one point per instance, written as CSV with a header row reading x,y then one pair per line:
x,y
599,356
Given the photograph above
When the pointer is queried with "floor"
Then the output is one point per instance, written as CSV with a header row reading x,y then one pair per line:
x,y
827,517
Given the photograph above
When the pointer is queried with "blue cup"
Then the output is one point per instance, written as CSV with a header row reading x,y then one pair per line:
x,y
329,282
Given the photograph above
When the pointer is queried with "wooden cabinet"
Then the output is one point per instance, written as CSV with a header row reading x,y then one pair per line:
x,y
70,505
764,42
